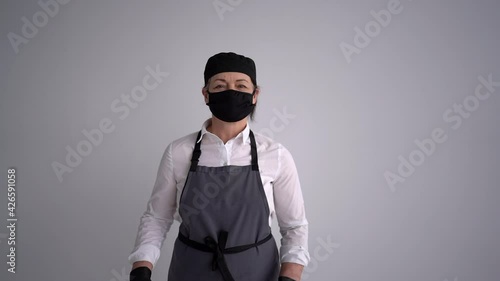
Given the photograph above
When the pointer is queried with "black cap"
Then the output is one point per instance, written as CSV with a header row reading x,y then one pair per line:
x,y
230,62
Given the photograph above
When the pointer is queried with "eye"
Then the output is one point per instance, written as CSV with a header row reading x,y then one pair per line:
x,y
218,87
242,86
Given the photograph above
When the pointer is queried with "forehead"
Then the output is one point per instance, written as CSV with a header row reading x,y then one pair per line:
x,y
231,76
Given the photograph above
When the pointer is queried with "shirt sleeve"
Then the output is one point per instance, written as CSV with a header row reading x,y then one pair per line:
x,y
158,217
290,211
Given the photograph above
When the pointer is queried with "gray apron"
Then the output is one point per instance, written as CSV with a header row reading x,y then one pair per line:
x,y
225,233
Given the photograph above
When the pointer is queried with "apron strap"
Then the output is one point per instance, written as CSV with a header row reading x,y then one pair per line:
x,y
197,152
255,162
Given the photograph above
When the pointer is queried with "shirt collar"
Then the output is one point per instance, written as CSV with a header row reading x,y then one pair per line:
x,y
243,134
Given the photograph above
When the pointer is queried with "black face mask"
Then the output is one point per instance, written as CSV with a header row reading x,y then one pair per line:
x,y
230,105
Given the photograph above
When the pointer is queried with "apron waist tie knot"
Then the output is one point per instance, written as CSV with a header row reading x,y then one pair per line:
x,y
219,249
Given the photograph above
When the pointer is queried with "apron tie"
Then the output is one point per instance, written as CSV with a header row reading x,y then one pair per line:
x,y
219,249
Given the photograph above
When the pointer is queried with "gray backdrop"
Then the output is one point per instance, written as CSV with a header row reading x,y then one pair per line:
x,y
390,109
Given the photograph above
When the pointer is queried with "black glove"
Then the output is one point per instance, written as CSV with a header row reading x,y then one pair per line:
x,y
283,278
140,274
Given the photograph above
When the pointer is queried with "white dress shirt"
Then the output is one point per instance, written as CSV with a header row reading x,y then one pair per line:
x,y
279,178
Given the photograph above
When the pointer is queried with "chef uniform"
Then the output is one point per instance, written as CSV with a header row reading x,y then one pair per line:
x,y
225,231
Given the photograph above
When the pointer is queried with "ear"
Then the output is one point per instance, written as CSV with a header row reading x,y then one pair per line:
x,y
255,95
204,92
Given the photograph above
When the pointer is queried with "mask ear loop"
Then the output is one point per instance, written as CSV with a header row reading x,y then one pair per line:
x,y
208,97
253,95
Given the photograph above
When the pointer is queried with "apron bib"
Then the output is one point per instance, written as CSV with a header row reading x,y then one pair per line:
x,y
225,233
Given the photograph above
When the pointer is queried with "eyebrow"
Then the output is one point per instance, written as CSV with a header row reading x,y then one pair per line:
x,y
239,80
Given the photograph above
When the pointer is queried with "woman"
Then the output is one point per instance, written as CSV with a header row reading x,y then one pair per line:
x,y
224,184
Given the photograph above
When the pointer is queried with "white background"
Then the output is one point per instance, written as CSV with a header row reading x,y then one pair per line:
x,y
352,120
